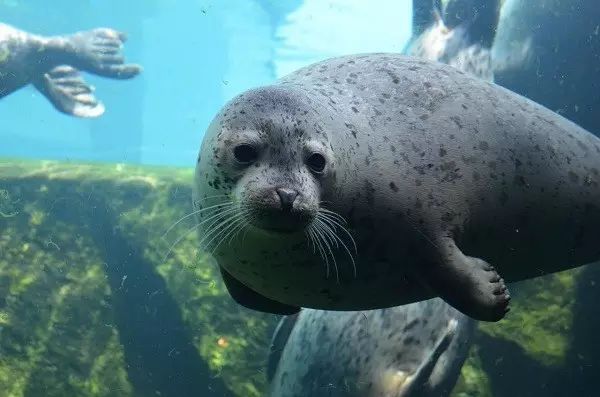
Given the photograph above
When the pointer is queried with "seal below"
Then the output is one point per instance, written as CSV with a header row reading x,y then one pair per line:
x,y
52,65
441,177
410,350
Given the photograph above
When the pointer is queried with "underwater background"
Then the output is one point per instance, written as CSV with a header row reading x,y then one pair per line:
x,y
92,300
196,55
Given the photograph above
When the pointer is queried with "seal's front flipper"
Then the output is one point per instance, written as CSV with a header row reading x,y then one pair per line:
x,y
68,92
419,381
469,284
253,300
98,51
278,342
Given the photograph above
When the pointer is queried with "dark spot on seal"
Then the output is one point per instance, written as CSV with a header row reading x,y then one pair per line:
x,y
448,217
393,187
443,152
456,120
410,325
573,177
391,74
451,172
355,110
520,181
370,192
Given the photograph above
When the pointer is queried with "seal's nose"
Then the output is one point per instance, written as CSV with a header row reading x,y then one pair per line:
x,y
287,197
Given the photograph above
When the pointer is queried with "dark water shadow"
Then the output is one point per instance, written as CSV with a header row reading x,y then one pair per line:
x,y
582,365
160,356
511,372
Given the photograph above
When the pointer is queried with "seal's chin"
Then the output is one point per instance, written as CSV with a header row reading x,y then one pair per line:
x,y
278,221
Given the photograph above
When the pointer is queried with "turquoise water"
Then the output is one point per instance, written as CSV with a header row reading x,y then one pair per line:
x,y
196,55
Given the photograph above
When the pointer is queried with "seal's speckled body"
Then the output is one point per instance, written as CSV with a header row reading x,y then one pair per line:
x,y
439,174
410,350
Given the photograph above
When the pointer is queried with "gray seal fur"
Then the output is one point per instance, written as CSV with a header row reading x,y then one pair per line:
x,y
411,350
442,178
53,65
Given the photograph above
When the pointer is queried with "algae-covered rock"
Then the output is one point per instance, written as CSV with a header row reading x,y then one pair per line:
x,y
531,352
90,306
96,299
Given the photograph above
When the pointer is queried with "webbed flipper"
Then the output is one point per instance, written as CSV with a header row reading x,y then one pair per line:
x,y
99,51
469,284
253,300
419,380
69,93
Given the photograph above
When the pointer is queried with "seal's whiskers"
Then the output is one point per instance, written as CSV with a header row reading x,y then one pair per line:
x,y
196,212
317,244
318,227
225,223
239,223
330,228
221,210
334,223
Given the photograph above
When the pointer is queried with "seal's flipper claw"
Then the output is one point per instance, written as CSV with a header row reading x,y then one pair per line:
x,y
253,300
99,52
471,285
69,93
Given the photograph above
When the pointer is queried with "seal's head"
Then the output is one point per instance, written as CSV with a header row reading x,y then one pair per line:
x,y
262,163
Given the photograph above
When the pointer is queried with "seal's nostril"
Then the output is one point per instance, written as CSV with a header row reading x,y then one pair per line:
x,y
287,197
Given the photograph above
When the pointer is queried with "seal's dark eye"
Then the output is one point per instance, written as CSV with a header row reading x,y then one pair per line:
x,y
245,153
316,162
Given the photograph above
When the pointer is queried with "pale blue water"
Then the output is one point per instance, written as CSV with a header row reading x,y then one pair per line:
x,y
196,55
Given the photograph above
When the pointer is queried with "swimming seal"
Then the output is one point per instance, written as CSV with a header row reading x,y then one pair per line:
x,y
52,65
410,350
441,177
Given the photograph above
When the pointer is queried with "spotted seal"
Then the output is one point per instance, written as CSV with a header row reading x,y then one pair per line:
x,y
411,350
446,182
52,65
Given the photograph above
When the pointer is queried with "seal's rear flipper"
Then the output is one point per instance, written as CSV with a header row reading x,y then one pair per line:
x,y
418,382
470,285
253,300
98,51
69,93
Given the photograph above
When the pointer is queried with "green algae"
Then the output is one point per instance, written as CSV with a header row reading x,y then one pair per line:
x,y
58,329
59,314
541,317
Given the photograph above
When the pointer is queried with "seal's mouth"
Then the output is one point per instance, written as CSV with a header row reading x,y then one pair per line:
x,y
281,221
